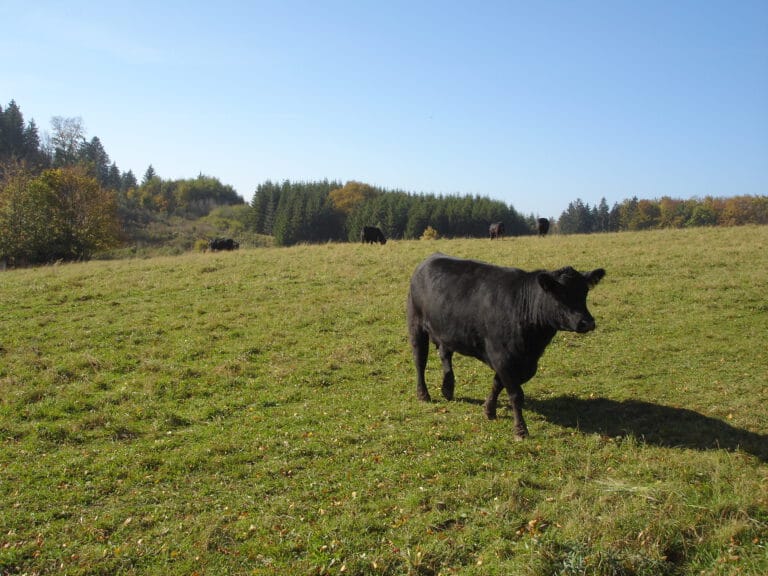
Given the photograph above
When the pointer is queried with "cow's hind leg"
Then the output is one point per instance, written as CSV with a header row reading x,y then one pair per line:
x,y
420,345
448,379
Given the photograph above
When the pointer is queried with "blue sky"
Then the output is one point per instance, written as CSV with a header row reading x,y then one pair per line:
x,y
532,103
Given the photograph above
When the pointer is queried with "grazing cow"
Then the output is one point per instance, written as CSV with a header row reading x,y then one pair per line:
x,y
543,226
371,234
504,317
496,230
223,244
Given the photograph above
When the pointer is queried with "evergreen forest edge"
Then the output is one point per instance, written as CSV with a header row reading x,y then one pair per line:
x,y
63,198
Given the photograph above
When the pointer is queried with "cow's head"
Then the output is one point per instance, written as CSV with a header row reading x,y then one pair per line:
x,y
568,290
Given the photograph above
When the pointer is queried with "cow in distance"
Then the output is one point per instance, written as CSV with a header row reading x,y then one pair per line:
x,y
496,230
504,317
223,244
542,226
371,234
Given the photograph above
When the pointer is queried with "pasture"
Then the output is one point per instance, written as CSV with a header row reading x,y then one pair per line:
x,y
254,413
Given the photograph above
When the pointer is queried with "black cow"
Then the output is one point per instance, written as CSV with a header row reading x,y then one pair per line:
x,y
502,316
496,230
371,234
543,226
223,244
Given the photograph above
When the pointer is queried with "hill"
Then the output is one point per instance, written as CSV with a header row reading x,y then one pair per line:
x,y
255,413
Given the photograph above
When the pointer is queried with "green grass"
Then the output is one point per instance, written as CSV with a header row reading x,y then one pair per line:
x,y
255,413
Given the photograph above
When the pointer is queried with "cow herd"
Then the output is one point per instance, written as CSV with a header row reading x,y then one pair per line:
x,y
373,234
504,317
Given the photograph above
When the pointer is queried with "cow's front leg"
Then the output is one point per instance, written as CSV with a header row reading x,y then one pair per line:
x,y
448,378
490,402
517,399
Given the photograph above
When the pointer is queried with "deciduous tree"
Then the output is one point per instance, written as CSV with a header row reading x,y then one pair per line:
x,y
66,140
62,214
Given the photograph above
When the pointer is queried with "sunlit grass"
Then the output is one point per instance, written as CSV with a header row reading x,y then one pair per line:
x,y
255,413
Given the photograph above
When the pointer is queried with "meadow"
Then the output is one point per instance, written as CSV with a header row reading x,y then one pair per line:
x,y
254,413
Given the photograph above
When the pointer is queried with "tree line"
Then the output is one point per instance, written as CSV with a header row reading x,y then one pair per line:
x,y
329,211
634,214
324,211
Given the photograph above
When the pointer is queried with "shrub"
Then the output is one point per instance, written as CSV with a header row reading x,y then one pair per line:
x,y
430,234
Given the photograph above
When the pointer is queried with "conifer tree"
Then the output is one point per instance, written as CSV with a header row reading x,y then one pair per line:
x,y
149,175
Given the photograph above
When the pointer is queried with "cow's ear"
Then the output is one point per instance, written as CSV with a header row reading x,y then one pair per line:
x,y
594,277
548,282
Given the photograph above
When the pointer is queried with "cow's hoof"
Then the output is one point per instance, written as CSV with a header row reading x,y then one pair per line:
x,y
424,397
447,392
490,414
521,434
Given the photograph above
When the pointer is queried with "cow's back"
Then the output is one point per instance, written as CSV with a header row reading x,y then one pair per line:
x,y
464,304
454,289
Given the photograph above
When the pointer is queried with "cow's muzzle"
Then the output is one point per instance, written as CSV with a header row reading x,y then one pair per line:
x,y
585,325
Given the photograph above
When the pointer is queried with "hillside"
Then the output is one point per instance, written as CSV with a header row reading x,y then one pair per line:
x,y
255,413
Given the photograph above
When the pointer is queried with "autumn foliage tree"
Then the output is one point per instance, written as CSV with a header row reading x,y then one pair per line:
x,y
62,214
346,198
634,214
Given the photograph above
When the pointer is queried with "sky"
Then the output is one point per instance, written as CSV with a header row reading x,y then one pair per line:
x,y
536,104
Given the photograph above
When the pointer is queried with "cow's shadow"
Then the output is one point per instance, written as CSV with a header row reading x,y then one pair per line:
x,y
653,423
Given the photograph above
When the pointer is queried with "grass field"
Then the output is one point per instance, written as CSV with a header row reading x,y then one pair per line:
x,y
255,413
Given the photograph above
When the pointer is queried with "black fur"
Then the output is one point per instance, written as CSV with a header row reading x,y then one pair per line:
x,y
504,317
371,234
223,244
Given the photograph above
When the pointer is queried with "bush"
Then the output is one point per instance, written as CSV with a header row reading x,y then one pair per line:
x,y
430,234
61,214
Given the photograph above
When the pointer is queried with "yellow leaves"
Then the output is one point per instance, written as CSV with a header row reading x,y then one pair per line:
x,y
534,527
429,234
332,546
350,195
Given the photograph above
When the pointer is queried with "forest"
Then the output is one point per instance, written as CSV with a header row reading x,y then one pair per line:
x,y
634,214
322,211
62,198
